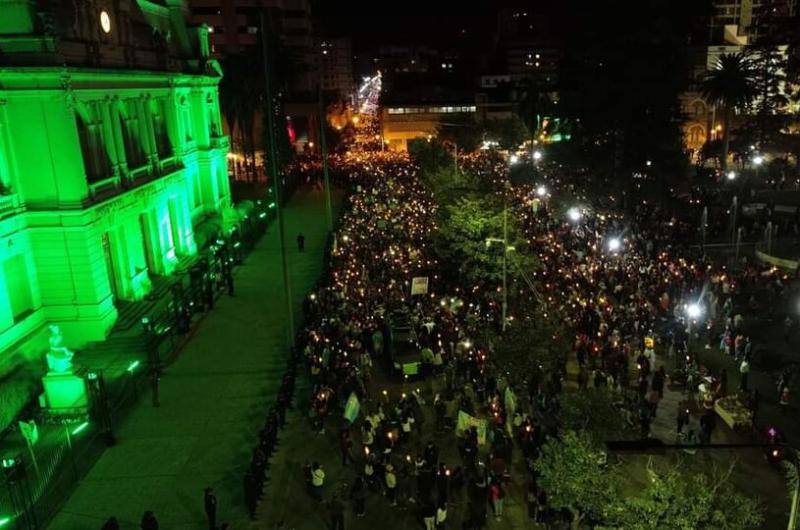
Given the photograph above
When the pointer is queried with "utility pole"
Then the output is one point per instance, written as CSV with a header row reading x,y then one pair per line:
x,y
277,176
505,259
506,249
323,142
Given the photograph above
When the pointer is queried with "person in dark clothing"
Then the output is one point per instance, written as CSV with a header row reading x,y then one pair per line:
x,y
429,515
707,425
210,501
337,513
658,381
301,242
432,454
250,493
345,444
359,495
754,404
229,280
111,524
683,416
149,521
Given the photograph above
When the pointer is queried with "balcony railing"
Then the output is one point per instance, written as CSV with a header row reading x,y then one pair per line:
x,y
8,203
169,164
220,142
103,188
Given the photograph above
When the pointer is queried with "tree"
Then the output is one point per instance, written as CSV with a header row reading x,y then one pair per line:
x,y
621,115
461,240
241,98
573,472
465,227
462,130
676,500
528,344
593,411
729,85
769,65
430,154
509,132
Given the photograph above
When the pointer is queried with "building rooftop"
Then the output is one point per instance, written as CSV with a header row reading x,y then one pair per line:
x,y
129,34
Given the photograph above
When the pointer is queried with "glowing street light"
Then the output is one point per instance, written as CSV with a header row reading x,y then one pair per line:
x,y
537,155
694,311
574,214
731,175
513,159
758,160
614,244
541,191
648,163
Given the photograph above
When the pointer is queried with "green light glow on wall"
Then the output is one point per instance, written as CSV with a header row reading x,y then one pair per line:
x,y
80,428
133,366
103,177
4,521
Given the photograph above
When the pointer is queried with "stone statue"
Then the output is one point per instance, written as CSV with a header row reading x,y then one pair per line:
x,y
59,358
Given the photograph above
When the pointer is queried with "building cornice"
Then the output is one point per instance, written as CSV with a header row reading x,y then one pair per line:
x,y
52,78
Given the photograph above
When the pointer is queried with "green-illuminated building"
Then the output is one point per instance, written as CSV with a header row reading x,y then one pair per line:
x,y
111,151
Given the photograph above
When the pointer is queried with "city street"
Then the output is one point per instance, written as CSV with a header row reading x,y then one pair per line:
x,y
212,399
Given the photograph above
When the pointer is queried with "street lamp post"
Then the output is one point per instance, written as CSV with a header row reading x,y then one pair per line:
x,y
324,152
506,249
271,133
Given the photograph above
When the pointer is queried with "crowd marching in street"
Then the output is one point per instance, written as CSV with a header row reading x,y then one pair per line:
x,y
620,301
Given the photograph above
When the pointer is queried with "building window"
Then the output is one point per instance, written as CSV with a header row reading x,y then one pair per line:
x,y
186,118
158,115
132,135
196,191
95,159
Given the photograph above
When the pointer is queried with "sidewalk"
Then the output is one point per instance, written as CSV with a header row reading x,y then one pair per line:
x,y
212,399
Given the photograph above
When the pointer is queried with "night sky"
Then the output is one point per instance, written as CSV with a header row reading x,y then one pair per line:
x,y
418,23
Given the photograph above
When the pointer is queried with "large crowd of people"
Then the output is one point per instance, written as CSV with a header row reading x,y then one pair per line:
x,y
624,286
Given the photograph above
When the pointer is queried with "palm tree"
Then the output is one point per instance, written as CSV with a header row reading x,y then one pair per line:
x,y
241,91
731,86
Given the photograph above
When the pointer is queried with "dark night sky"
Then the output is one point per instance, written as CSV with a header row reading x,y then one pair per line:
x,y
416,22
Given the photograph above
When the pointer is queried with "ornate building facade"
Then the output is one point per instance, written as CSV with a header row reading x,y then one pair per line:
x,y
111,151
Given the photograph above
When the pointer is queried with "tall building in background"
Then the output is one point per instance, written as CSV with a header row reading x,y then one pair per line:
x,y
111,151
735,22
234,27
336,66
526,48
732,27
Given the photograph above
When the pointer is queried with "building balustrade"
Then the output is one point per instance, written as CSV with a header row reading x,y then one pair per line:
x,y
8,204
104,188
220,142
